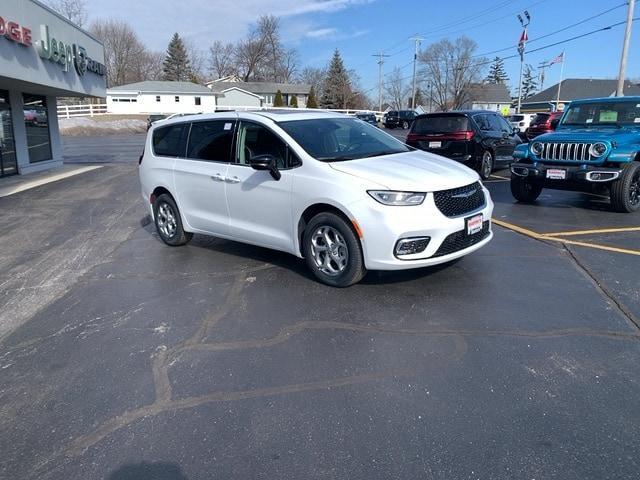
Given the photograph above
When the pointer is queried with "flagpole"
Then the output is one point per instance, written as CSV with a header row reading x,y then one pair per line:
x,y
560,84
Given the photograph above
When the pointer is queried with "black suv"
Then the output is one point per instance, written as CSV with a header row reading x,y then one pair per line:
x,y
482,140
399,118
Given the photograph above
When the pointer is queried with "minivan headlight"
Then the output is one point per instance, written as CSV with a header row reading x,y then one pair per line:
x,y
536,148
390,197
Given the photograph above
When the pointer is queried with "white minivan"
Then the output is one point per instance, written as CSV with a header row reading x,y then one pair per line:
x,y
326,187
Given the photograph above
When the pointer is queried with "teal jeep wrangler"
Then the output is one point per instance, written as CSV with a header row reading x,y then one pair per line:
x,y
595,148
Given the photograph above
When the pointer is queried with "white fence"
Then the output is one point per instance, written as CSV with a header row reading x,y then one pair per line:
x,y
91,110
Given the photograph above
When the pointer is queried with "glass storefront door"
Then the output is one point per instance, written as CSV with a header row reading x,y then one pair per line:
x,y
8,163
36,122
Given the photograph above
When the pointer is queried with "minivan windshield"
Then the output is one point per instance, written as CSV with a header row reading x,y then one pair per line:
x,y
440,124
339,139
593,114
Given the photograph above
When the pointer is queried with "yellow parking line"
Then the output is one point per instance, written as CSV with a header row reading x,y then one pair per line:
x,y
540,236
597,231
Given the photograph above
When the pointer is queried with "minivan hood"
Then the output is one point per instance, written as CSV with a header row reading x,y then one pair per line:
x,y
415,171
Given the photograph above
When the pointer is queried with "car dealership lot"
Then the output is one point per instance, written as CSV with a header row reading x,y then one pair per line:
x,y
221,360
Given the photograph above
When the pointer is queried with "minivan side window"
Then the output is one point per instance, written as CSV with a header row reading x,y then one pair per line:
x,y
169,141
496,124
504,125
211,140
254,139
482,121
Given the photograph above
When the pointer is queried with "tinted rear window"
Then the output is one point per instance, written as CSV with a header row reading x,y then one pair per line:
x,y
516,118
540,118
441,124
211,140
169,141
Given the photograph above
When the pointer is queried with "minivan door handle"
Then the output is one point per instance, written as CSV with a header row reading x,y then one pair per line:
x,y
233,180
218,177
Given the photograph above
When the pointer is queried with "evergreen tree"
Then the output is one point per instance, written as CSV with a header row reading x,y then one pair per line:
x,y
529,82
497,74
311,100
278,101
176,63
293,103
337,85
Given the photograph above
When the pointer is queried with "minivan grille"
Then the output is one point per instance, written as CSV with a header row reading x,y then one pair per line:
x,y
460,240
461,200
577,152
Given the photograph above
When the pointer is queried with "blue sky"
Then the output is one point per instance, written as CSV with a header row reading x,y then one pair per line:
x,y
360,28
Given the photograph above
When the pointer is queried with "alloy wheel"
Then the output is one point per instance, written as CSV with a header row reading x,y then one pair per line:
x,y
486,164
166,220
329,250
634,189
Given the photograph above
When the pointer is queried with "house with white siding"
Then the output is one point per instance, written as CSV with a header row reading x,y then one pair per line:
x,y
266,90
161,97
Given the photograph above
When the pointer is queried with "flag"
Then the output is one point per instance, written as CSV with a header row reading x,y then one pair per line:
x,y
524,37
558,59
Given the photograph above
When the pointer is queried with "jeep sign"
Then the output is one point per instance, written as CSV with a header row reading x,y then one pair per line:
x,y
66,54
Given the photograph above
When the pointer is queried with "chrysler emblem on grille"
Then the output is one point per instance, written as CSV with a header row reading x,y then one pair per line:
x,y
465,194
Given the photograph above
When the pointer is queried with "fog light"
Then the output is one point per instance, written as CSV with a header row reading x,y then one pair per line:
x,y
411,246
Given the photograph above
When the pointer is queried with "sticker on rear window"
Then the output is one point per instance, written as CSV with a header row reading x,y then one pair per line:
x,y
636,120
589,120
227,126
608,116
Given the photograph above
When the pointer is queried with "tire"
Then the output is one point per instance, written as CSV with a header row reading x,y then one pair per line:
x,y
405,125
485,167
168,222
332,250
525,190
625,192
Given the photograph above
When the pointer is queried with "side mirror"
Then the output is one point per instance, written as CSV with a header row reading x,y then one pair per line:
x,y
515,130
266,162
554,123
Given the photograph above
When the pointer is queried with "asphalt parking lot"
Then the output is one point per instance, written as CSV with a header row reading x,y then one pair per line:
x,y
122,358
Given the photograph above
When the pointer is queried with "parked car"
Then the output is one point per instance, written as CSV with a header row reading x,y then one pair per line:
x,y
322,186
596,147
399,118
482,140
544,122
154,117
521,121
367,117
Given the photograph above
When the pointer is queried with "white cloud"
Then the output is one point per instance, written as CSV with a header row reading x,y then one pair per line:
x,y
320,32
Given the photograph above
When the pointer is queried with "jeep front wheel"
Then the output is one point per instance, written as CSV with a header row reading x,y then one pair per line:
x,y
524,189
625,192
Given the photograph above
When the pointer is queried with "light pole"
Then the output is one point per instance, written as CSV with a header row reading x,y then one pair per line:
x,y
415,59
381,57
625,50
521,46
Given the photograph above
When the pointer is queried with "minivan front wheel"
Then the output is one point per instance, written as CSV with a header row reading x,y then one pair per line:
x,y
332,250
168,222
486,165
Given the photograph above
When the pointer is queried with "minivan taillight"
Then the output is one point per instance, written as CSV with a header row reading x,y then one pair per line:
x,y
413,137
468,134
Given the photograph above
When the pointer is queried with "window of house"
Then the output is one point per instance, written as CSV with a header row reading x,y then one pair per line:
x,y
169,141
157,98
177,98
197,100
211,140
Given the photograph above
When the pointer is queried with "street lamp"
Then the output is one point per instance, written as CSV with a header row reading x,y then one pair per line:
x,y
521,46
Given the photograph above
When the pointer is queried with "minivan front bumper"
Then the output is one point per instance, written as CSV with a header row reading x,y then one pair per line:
x,y
383,227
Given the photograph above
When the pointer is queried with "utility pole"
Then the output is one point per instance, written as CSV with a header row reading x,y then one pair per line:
x,y
542,68
381,56
521,46
415,60
625,50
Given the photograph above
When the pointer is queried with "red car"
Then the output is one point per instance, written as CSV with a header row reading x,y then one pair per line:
x,y
542,123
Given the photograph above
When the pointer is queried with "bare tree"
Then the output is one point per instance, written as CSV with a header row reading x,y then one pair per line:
x,y
221,59
197,61
250,54
312,76
268,29
74,10
150,66
451,69
397,89
288,66
123,51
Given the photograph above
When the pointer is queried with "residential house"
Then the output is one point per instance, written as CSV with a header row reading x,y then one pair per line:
x,y
488,96
241,91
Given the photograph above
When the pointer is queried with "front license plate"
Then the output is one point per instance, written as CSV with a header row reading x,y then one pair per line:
x,y
556,174
474,224
435,144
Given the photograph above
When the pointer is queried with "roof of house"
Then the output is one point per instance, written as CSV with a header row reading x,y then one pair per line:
x,y
238,89
156,86
489,93
260,88
578,88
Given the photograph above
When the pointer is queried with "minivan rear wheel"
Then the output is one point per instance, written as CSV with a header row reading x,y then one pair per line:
x,y
332,250
405,124
168,223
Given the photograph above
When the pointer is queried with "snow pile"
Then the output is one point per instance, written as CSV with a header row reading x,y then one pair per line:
x,y
77,126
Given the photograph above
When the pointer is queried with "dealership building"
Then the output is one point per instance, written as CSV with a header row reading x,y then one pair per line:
x,y
43,56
